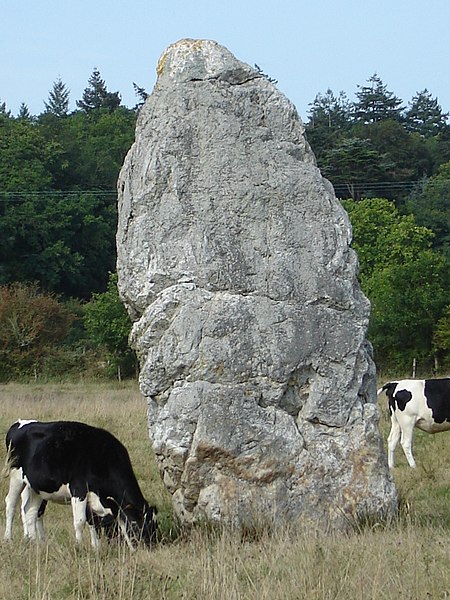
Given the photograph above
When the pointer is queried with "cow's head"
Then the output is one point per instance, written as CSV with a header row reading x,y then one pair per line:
x,y
141,523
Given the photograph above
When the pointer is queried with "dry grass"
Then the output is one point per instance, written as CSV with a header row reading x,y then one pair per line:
x,y
406,560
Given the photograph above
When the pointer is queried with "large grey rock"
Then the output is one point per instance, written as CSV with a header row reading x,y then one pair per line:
x,y
234,261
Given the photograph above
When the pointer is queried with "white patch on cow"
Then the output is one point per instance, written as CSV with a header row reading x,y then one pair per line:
x,y
25,500
60,496
79,516
96,506
31,502
23,422
16,486
415,414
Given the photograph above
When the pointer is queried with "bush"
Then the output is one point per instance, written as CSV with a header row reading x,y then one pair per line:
x,y
108,326
32,324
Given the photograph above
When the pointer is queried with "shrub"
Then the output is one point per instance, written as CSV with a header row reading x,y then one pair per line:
x,y
32,324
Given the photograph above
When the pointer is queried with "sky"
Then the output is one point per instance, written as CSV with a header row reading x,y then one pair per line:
x,y
309,46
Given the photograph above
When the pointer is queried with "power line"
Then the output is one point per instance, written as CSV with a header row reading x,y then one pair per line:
x,y
22,196
386,186
19,196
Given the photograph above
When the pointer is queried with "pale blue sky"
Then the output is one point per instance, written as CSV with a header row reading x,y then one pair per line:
x,y
308,45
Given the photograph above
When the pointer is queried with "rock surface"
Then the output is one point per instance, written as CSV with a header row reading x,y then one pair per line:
x,y
234,262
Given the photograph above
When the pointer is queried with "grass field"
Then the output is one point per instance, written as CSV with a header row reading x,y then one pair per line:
x,y
409,559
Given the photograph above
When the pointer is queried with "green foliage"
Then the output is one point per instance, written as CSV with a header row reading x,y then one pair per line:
x,y
4,112
430,204
50,229
93,147
382,237
329,120
25,157
96,95
376,102
108,324
405,280
407,300
261,72
141,94
24,113
64,241
424,115
58,214
58,99
392,147
441,340
353,160
405,154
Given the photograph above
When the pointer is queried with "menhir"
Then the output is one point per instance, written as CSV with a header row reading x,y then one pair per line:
x,y
235,264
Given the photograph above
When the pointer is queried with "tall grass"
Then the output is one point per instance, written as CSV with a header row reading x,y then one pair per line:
x,y
408,559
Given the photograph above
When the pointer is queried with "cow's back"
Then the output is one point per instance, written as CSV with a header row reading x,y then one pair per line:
x,y
62,452
437,393
425,402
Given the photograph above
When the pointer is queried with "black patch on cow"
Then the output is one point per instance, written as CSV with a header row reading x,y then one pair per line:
x,y
437,394
389,388
401,398
397,399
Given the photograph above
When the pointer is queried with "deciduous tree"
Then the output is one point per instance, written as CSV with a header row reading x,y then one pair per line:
x,y
31,324
405,280
109,325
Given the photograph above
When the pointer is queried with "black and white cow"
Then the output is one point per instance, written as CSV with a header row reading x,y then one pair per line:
x,y
71,462
422,403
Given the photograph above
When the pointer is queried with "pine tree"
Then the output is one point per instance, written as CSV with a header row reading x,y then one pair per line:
x,y
261,72
58,99
141,94
24,114
329,120
376,103
4,112
424,115
329,110
96,95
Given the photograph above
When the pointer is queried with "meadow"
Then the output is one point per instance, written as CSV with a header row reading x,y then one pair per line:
x,y
406,559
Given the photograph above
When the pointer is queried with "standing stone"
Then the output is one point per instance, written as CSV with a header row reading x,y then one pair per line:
x,y
234,262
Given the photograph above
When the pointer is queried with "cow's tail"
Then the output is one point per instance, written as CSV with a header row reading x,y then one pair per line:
x,y
387,387
8,462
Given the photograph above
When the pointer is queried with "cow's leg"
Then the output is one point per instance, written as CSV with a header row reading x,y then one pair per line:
x,y
95,509
23,502
393,439
406,442
95,540
16,485
79,506
124,529
30,511
39,519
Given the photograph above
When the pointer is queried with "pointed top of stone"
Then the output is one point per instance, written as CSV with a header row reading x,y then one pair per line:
x,y
190,60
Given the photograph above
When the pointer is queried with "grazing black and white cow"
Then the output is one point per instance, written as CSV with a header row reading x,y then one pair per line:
x,y
71,462
422,403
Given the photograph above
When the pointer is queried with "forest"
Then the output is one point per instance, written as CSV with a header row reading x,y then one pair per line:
x,y
60,315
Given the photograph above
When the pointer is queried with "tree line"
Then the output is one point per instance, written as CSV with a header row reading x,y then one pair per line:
x,y
389,163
